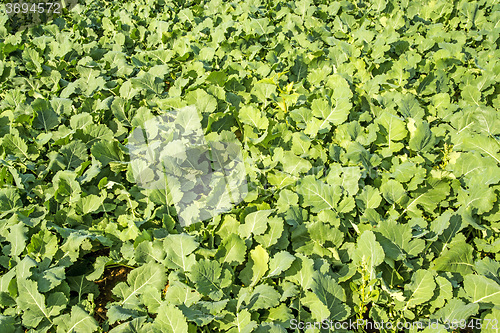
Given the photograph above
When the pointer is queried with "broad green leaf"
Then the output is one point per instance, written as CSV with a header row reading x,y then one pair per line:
x,y
78,322
148,275
179,293
46,118
392,191
252,116
457,310
256,267
169,320
209,278
318,194
17,238
458,258
178,249
15,146
368,251
480,289
80,121
279,263
255,223
422,139
133,325
233,250
9,200
421,288
484,145
243,322
150,251
331,299
272,234
393,127
82,286
331,114
427,197
369,198
74,154
90,203
149,83
263,297
7,324
301,271
33,304
107,151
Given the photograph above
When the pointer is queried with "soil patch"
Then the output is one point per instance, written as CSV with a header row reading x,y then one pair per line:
x,y
111,277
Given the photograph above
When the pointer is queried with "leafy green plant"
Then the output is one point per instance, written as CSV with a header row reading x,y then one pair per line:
x,y
368,131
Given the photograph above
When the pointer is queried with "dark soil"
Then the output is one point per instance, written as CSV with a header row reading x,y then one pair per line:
x,y
111,277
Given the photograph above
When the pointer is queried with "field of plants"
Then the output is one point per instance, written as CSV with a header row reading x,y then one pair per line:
x,y
367,134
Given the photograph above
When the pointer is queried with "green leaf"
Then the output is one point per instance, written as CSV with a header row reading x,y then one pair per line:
x,y
457,258
32,302
368,251
179,293
301,271
107,151
422,139
273,234
170,320
256,267
78,322
232,250
255,223
318,194
80,121
393,127
252,116
74,154
51,278
484,145
421,288
456,310
15,146
263,297
336,115
149,83
369,198
396,239
243,322
150,251
148,275
7,324
331,299
90,203
209,278
45,118
82,286
392,191
9,200
480,289
279,263
17,238
133,325
178,249
435,191
491,318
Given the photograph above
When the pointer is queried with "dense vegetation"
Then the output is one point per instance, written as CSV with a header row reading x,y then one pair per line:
x,y
370,136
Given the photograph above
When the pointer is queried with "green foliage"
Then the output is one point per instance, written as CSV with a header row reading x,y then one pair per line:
x,y
370,136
